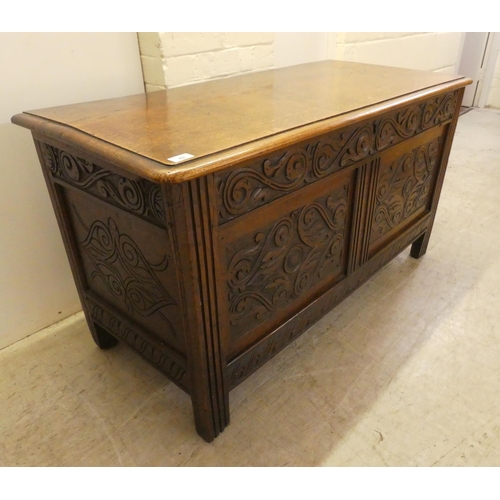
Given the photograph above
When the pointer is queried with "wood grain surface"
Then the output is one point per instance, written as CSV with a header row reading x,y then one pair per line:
x,y
230,119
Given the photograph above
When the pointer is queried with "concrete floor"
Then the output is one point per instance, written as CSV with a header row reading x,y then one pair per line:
x,y
404,372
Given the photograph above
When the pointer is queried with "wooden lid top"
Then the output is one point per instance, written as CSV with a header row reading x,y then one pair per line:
x,y
224,120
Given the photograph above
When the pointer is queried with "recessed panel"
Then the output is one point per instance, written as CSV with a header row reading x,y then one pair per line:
x,y
403,190
281,261
129,263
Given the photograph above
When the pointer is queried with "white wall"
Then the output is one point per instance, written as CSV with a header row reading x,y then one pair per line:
x,y
41,70
493,100
430,51
298,48
175,59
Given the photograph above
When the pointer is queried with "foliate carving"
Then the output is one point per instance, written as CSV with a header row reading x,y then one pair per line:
x,y
247,363
270,268
403,187
439,110
166,362
244,189
401,125
125,271
141,197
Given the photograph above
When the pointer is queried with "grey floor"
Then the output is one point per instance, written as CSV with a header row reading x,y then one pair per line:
x,y
404,372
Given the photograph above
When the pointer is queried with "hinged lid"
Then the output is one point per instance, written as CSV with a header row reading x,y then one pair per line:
x,y
192,130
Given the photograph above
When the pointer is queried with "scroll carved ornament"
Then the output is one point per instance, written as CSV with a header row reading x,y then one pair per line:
x,y
404,187
269,269
140,197
244,189
124,270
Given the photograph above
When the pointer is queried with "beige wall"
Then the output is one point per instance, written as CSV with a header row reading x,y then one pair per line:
x,y
424,51
493,100
174,59
298,48
41,70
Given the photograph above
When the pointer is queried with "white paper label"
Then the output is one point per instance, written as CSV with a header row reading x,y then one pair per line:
x,y
182,157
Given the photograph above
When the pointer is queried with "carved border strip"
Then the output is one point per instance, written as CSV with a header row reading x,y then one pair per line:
x,y
162,358
142,198
244,189
244,365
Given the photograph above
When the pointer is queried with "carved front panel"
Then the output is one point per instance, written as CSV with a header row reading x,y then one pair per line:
x,y
403,187
270,267
129,263
253,185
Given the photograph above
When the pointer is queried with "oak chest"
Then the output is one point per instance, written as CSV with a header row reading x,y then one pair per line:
x,y
208,226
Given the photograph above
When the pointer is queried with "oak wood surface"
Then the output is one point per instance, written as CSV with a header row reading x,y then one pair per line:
x,y
231,119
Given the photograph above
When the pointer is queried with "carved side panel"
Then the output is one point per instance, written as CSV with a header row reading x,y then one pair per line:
x,y
130,264
140,197
404,187
253,185
274,265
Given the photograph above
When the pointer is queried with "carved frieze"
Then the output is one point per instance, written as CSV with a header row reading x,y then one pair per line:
x,y
439,110
142,198
403,187
250,187
397,126
247,188
271,267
